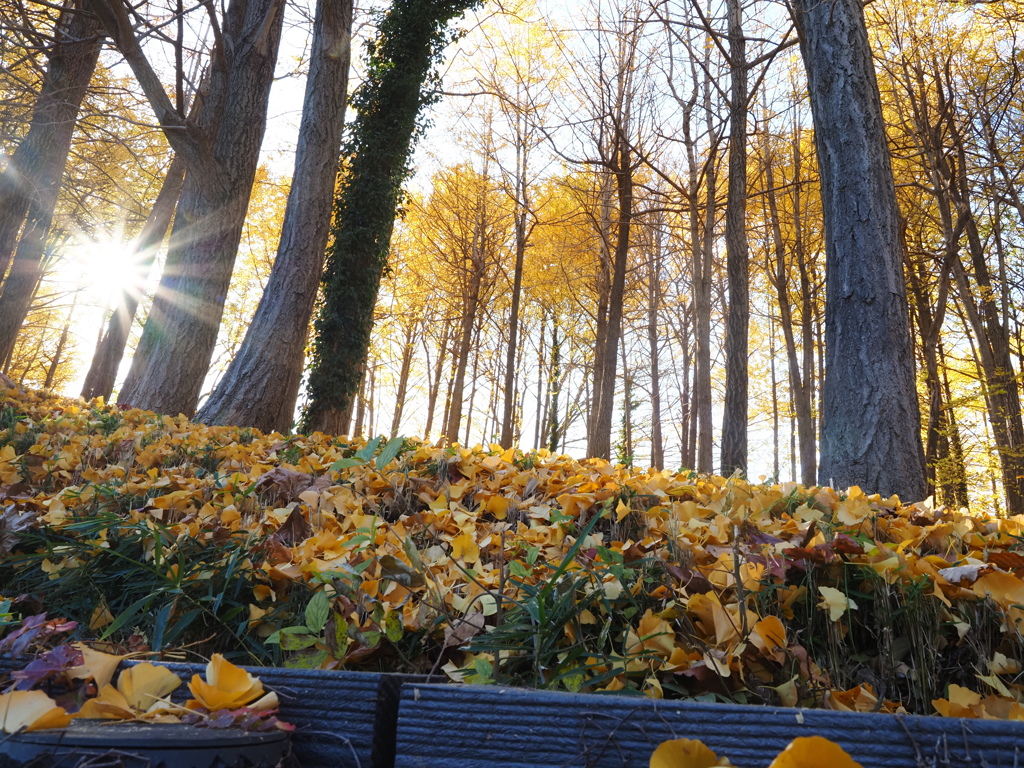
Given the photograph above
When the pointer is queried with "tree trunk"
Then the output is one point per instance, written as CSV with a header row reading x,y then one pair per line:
x,y
411,38
99,382
734,416
604,281
261,384
435,383
653,305
798,383
541,394
702,237
181,331
554,381
403,379
521,212
31,180
871,434
622,170
454,418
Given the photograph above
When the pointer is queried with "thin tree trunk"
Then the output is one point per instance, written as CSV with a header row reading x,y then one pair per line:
x,y
466,333
475,380
703,252
604,281
261,384
799,384
734,416
554,388
775,400
403,380
435,383
600,446
653,305
517,289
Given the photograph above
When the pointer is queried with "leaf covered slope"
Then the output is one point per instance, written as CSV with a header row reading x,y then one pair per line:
x,y
495,565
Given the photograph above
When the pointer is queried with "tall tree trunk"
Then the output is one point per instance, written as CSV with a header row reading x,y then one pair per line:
x,y
403,379
734,416
808,305
653,305
554,388
622,171
540,430
702,244
521,213
180,334
411,38
31,180
475,379
99,382
871,434
798,383
261,384
604,282
435,383
58,353
955,470
468,325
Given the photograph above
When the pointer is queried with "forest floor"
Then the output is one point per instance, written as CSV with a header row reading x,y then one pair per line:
x,y
154,533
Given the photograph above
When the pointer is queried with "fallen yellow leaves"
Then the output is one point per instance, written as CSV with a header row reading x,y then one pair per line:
x,y
685,585
30,711
229,687
141,690
685,753
802,752
142,693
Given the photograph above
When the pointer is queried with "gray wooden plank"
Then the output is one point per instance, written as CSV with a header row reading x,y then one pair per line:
x,y
460,726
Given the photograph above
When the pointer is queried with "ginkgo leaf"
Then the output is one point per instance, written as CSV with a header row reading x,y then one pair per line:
x,y
145,684
814,752
685,753
95,664
30,711
109,704
769,634
835,602
226,686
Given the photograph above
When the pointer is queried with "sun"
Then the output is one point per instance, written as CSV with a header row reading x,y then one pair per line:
x,y
109,267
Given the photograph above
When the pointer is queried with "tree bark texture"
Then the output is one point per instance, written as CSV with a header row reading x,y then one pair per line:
x,y
31,181
737,321
261,384
180,334
871,433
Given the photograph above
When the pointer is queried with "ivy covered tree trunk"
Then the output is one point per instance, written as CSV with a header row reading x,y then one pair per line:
x,y
871,432
399,82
